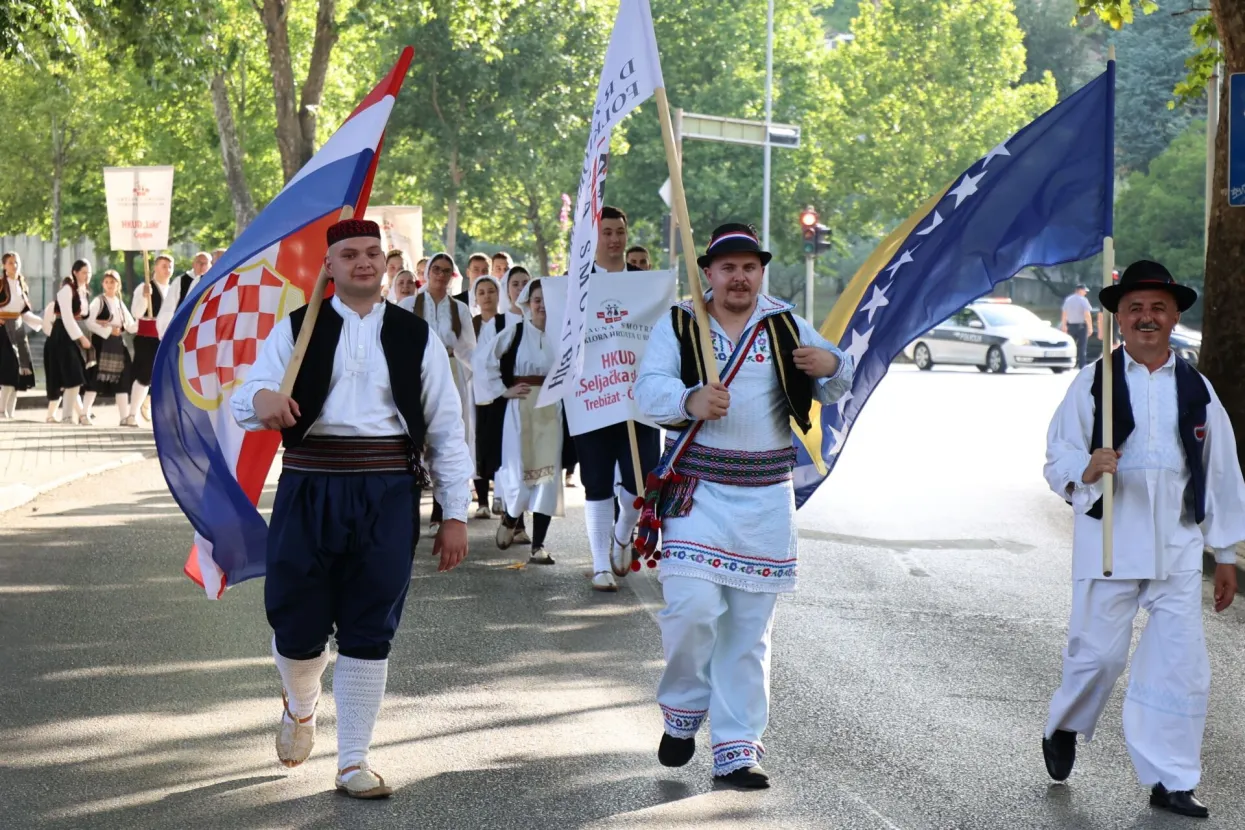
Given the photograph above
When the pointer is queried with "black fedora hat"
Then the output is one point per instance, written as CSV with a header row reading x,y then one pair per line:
x,y
1146,275
733,238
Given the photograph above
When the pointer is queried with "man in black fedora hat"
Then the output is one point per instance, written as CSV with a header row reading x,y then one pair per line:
x,y
727,514
1178,489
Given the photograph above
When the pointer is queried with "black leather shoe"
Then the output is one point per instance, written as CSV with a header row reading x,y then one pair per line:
x,y
1180,802
748,778
1059,750
675,752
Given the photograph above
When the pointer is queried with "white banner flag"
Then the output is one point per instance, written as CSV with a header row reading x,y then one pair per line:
x,y
140,200
632,71
622,310
401,227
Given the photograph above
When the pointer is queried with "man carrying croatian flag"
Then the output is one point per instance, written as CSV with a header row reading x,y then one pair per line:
x,y
353,420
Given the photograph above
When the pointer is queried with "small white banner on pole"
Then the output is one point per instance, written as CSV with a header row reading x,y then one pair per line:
x,y
631,72
140,201
622,309
401,228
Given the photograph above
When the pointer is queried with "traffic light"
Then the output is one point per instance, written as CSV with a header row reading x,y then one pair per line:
x,y
808,225
816,235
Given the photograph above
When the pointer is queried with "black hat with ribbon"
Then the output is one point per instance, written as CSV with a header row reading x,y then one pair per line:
x,y
733,238
1146,275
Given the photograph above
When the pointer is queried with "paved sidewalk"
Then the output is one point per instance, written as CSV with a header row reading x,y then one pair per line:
x,y
36,456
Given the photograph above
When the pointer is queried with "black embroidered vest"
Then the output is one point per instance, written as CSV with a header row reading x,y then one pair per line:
x,y
1192,398
511,355
784,339
187,279
499,323
403,338
75,299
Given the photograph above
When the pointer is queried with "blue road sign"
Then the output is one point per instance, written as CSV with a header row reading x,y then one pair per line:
x,y
1236,139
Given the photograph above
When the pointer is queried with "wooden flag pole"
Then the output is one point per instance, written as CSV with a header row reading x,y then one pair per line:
x,y
1108,391
1108,412
675,164
309,322
147,282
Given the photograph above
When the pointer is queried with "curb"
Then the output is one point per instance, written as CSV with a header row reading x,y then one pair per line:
x,y
16,495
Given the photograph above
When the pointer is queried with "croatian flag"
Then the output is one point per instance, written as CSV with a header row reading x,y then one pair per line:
x,y
215,469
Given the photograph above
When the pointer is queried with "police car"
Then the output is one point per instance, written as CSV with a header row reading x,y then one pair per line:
x,y
994,336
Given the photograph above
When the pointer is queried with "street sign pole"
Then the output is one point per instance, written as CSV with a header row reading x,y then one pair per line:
x,y
769,117
808,286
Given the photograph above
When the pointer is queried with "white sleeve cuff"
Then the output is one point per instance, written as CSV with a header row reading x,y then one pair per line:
x,y
1225,556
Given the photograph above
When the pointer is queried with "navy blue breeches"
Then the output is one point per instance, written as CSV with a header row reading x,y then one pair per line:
x,y
339,559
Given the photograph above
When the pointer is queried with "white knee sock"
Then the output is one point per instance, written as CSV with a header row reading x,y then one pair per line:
x,y
8,400
599,516
70,404
358,689
628,515
138,394
301,681
52,407
123,405
87,402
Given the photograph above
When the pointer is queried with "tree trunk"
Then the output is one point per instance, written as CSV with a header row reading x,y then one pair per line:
x,y
451,210
538,233
58,166
1223,298
289,133
313,87
231,155
296,115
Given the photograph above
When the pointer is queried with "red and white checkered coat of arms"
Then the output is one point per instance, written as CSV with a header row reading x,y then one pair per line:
x,y
227,328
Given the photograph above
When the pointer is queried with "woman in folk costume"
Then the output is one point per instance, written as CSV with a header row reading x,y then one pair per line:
x,y
512,286
113,372
530,477
727,517
450,320
490,411
17,373
68,349
1178,490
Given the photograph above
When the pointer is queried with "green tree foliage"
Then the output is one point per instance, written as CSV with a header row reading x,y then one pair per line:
x,y
1151,57
35,30
1160,214
1071,52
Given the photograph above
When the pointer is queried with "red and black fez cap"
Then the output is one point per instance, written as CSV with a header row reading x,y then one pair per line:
x,y
351,228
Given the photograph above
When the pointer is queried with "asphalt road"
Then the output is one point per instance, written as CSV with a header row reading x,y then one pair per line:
x,y
911,671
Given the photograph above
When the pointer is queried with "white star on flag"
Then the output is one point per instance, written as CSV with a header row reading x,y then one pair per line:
x,y
876,301
903,260
838,441
935,222
967,187
841,403
1000,150
860,345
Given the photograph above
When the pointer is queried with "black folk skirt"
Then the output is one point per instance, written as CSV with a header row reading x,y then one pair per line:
x,y
14,370
490,420
63,362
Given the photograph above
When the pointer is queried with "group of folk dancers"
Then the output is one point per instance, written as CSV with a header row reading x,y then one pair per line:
x,y
85,354
364,439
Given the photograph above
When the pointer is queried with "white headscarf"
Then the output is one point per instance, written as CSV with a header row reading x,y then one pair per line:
x,y
456,281
504,304
501,293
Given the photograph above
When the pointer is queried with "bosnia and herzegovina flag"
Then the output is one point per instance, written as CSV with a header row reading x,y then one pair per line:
x,y
216,470
1042,197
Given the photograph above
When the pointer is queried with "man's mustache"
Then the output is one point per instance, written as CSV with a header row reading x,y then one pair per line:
x,y
1147,325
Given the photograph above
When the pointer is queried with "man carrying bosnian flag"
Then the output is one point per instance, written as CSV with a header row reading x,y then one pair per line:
x,y
215,469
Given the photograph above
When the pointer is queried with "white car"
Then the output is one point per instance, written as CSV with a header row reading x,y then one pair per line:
x,y
994,336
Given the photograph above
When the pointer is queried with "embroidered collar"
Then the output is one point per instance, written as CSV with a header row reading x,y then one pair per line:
x,y
767,306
